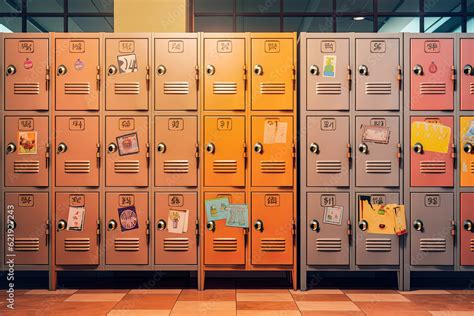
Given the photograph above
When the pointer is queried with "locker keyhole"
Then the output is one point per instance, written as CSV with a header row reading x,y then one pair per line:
x,y
258,70
11,224
161,70
62,70
363,70
363,148
210,148
314,226
258,225
258,148
314,70
210,70
62,224
468,70
11,148
62,148
418,70
211,225
418,148
363,225
112,70
11,70
314,148
111,148
468,225
468,148
112,225
161,224
161,148
418,225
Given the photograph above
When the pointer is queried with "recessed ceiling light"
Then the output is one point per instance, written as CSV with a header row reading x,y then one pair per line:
x,y
358,18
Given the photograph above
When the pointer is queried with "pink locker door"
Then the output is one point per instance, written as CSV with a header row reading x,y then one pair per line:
x,y
467,229
467,74
432,169
328,68
26,219
328,151
431,74
77,244
327,244
173,247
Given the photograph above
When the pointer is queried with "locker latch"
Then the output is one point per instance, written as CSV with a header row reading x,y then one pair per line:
x,y
293,149
293,76
98,77
293,227
196,70
47,77
97,154
98,229
47,155
399,77
46,232
453,77
197,150
148,77
399,153
148,230
148,154
349,151
197,228
453,154
349,77
453,228
244,76
349,228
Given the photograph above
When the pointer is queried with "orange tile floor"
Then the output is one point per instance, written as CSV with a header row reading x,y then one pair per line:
x,y
240,302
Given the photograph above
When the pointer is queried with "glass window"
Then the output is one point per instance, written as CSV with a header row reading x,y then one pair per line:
x,y
258,24
348,24
10,6
49,6
399,24
91,6
398,6
308,6
354,6
258,6
44,24
442,6
213,24
90,24
470,5
10,24
308,24
470,24
442,24
207,6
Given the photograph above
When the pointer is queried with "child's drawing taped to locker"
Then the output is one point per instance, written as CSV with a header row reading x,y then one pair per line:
x,y
434,137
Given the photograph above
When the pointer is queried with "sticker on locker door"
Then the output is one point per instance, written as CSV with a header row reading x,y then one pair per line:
x,y
275,132
435,137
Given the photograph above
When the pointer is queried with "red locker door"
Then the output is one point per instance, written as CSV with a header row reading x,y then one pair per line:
x,y
467,74
467,229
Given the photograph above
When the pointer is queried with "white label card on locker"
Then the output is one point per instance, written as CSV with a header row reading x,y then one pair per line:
x,y
75,221
178,221
275,132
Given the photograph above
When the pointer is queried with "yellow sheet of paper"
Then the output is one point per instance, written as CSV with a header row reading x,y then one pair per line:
x,y
434,137
378,223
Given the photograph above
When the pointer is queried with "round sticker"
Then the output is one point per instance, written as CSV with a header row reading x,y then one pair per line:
x,y
433,67
128,219
79,64
28,64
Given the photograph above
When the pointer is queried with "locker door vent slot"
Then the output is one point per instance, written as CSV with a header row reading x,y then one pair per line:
x,y
378,166
127,166
225,87
26,88
176,87
471,245
225,166
176,166
378,88
328,244
272,88
26,166
77,244
471,167
77,166
277,166
77,88
127,244
273,244
127,88
328,166
378,245
328,88
27,244
176,244
433,166
433,244
224,244
432,88
471,88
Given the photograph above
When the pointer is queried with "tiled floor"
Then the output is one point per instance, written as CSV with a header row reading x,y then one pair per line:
x,y
240,302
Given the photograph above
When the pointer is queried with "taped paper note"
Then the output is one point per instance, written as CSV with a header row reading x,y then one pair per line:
x,y
275,132
434,137
237,215
379,220
375,134
216,209
178,221
75,220
333,215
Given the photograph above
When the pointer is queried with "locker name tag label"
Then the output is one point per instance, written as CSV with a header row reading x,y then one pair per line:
x,y
25,124
275,132
76,200
272,46
26,200
377,47
126,46
26,47
77,124
175,124
77,47
272,200
175,47
432,46
126,200
328,124
126,124
224,124
175,200
328,46
432,200
224,46
328,200
377,199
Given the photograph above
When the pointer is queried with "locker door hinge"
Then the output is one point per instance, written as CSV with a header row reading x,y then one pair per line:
x,y
349,77
349,228
98,78
399,77
47,156
196,76
349,151
197,232
48,77
244,154
453,154
148,231
148,154
46,232
293,76
293,154
293,227
98,230
98,155
453,228
453,77
148,77
399,154
244,76
197,150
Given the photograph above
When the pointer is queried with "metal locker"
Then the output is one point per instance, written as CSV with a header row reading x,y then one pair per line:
x,y
376,249
328,151
378,75
467,74
328,79
77,228
26,151
127,231
127,76
77,151
26,73
224,245
26,218
225,151
224,72
273,228
77,67
428,168
327,242
466,162
378,154
467,229
127,157
273,151
177,151
432,75
176,73
273,73
432,229
175,248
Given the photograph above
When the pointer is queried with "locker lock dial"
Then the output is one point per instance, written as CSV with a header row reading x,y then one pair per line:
x,y
161,70
211,225
418,70
61,70
363,148
62,148
112,225
314,225
161,224
11,148
258,70
468,71
418,148
258,148
11,70
210,70
62,225
258,225
314,70
314,148
418,225
468,225
210,148
111,148
112,70
468,148
363,70
363,225
161,148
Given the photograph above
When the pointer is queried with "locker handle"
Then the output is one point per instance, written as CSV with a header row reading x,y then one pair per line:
x,y
258,148
210,148
147,77
258,70
211,225
453,228
98,154
363,70
47,155
62,70
98,230
468,71
349,77
111,148
258,225
98,78
147,154
314,225
112,225
418,70
160,70
399,77
148,230
363,225
468,148
418,148
349,228
314,148
196,146
62,224
62,148
244,76
47,77
210,70
161,148
453,77
399,152
418,225
11,148
468,225
196,74
197,230
11,70
364,148
314,70
161,225
349,151
112,70
46,232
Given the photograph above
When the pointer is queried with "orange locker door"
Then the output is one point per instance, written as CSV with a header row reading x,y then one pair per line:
x,y
224,154
176,236
273,228
467,151
273,74
27,233
127,158
27,151
272,151
77,151
224,74
77,240
127,236
26,80
77,69
176,74
176,147
127,78
224,245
